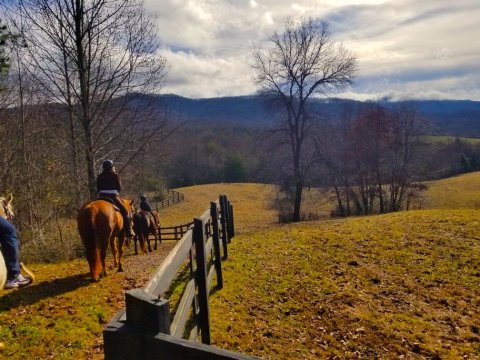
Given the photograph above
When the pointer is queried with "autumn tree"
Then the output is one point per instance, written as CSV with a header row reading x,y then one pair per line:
x,y
298,65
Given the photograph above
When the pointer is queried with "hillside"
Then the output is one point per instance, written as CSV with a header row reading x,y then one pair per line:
x,y
459,192
403,284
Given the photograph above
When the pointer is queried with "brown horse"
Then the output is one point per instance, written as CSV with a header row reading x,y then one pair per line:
x,y
144,225
100,223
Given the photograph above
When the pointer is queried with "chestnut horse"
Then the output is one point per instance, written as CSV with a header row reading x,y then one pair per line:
x,y
99,223
6,211
144,225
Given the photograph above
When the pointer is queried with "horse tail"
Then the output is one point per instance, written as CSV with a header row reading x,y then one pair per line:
x,y
90,239
140,227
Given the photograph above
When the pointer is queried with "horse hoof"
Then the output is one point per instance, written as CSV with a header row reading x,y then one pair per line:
x,y
120,269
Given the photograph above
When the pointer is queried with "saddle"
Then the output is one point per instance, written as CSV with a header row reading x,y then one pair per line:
x,y
111,201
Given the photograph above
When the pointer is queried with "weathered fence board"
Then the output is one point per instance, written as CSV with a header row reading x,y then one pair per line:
x,y
173,232
201,279
180,319
168,270
144,331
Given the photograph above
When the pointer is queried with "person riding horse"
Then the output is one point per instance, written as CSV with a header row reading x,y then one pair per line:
x,y
145,206
109,186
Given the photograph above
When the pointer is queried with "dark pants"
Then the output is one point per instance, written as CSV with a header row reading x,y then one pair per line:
x,y
121,206
10,248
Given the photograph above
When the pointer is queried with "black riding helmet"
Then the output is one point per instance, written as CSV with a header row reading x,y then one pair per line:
x,y
143,198
107,165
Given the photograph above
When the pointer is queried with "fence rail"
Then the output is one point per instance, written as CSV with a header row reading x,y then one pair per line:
x,y
147,329
173,197
173,232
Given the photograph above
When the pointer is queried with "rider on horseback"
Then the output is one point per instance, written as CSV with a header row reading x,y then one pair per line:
x,y
145,206
109,186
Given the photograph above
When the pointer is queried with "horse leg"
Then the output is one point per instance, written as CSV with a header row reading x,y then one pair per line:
x,y
135,239
156,237
113,245
103,256
147,237
144,243
121,241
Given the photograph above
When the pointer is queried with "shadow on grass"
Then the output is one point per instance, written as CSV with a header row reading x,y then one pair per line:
x,y
33,293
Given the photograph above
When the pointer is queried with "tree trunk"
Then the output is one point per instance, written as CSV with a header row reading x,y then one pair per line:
x,y
297,200
92,188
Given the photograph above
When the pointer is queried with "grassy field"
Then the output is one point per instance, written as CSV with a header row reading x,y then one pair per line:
x,y
405,284
444,140
459,192
402,285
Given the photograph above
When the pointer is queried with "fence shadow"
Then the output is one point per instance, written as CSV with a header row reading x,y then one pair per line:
x,y
42,290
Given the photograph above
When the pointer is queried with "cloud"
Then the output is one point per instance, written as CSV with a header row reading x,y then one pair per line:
x,y
403,46
200,76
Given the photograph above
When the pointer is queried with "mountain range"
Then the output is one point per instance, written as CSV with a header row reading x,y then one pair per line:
x,y
446,117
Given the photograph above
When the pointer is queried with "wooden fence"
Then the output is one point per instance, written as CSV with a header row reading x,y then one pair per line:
x,y
173,197
173,232
147,329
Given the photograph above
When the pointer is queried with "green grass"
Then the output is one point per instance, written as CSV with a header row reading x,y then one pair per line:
x,y
374,287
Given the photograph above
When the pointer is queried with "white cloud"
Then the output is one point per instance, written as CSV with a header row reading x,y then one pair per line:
x,y
405,47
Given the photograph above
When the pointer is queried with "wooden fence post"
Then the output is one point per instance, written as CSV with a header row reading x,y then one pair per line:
x,y
223,225
232,222
201,279
216,243
226,206
146,312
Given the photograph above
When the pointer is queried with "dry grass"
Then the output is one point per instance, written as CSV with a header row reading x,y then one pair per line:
x,y
62,315
391,286
254,204
459,192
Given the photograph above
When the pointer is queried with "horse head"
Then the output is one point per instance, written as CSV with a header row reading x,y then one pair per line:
x,y
6,208
129,204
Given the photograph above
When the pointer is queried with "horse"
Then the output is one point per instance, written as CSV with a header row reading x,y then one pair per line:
x,y
100,223
6,211
144,225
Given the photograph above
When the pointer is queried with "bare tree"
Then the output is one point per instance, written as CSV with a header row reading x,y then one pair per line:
x,y
98,59
369,161
302,63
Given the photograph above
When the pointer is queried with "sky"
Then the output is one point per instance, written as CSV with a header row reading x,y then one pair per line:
x,y
422,49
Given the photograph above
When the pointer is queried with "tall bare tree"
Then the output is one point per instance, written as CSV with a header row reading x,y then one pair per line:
x,y
300,64
98,59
